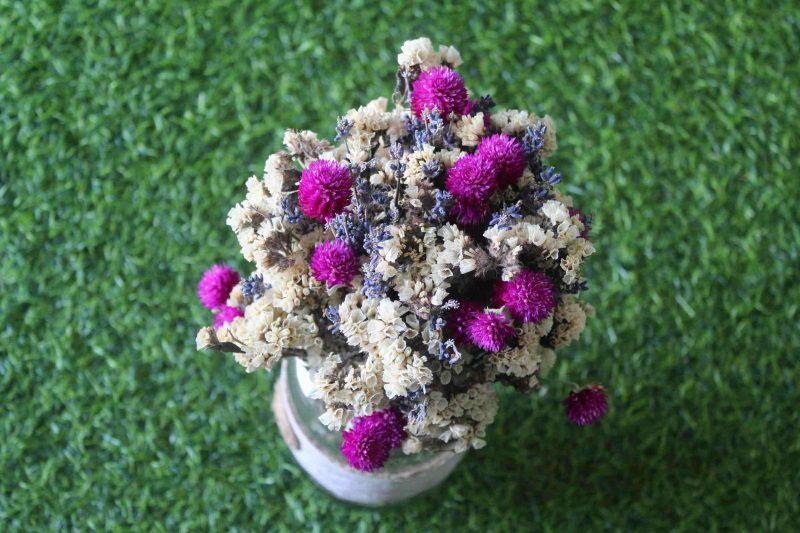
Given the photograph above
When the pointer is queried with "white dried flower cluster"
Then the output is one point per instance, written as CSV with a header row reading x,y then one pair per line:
x,y
420,53
459,420
408,312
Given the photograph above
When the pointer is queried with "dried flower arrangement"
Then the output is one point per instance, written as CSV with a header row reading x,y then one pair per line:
x,y
418,259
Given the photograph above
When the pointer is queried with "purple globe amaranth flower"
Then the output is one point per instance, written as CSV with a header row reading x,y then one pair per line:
x,y
334,262
490,331
458,320
325,188
226,314
370,440
215,286
529,296
439,88
468,213
587,405
471,181
507,154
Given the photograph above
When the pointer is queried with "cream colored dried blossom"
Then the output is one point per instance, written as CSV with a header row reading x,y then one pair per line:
x,y
292,288
418,52
357,386
354,312
390,251
206,338
555,211
387,324
459,421
420,292
305,144
568,322
577,250
236,297
448,158
265,331
524,361
359,146
338,153
506,243
417,186
412,445
244,221
457,251
374,117
261,199
276,169
550,143
449,55
515,122
469,129
403,369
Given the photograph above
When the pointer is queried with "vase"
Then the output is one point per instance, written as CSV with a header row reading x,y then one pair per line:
x,y
316,449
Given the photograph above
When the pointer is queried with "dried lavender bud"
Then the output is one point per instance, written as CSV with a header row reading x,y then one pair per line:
x,y
291,210
348,228
343,127
443,201
332,314
506,217
431,169
533,140
550,176
253,287
448,352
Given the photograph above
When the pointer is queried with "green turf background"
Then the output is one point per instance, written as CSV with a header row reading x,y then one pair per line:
x,y
126,133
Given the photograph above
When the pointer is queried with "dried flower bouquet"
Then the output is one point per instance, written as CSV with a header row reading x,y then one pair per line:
x,y
417,259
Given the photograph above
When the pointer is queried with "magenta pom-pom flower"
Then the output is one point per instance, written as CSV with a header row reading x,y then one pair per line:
x,y
370,440
324,189
507,154
587,405
334,262
529,296
471,181
226,314
439,88
490,331
216,285
458,320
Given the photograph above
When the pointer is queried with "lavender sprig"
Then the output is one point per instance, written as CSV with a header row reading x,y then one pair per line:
x,y
349,228
432,169
438,213
448,352
374,286
291,210
253,287
550,176
533,140
506,217
343,127
332,314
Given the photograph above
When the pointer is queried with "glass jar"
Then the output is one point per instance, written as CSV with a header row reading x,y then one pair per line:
x,y
316,449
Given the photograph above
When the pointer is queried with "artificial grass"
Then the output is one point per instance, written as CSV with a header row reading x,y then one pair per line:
x,y
127,130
